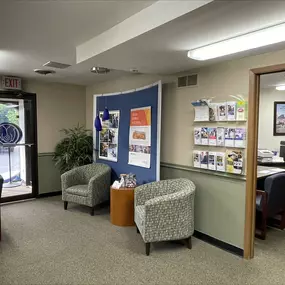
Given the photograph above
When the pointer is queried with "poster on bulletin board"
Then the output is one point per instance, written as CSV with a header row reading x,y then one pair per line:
x,y
108,138
140,137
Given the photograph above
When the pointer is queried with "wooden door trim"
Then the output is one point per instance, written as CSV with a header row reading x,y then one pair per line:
x,y
252,145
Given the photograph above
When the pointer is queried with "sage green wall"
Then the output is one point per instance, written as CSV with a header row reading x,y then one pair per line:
x,y
219,203
49,176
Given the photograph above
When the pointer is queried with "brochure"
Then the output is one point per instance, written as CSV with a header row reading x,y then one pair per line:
x,y
204,136
241,111
229,137
220,136
197,135
240,135
196,158
234,161
204,159
212,136
220,158
213,112
231,111
212,161
222,116
201,113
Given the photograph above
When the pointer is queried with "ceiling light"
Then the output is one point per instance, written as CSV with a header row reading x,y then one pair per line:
x,y
264,37
100,70
280,88
44,71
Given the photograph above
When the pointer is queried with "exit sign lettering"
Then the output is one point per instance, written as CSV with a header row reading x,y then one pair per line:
x,y
9,82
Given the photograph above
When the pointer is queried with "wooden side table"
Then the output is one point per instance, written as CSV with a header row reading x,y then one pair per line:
x,y
122,206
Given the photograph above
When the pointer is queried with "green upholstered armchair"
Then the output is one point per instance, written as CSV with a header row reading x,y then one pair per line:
x,y
164,211
86,185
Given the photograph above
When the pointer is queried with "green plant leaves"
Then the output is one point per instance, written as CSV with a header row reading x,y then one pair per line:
x,y
76,149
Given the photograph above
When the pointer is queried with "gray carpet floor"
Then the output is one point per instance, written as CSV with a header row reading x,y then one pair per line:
x,y
43,244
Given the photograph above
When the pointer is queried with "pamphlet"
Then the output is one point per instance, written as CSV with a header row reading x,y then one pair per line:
x,y
220,136
204,159
240,134
234,161
212,161
231,111
196,158
222,116
204,136
241,111
229,137
201,113
220,158
213,112
212,136
197,135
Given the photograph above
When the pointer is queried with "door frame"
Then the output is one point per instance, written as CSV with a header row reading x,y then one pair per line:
x,y
252,145
13,94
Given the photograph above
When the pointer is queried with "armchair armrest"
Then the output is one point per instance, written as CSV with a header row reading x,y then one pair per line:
x,y
174,211
169,201
148,191
70,178
99,185
261,200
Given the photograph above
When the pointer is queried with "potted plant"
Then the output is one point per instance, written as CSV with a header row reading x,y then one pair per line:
x,y
76,149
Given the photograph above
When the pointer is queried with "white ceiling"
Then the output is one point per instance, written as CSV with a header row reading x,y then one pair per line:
x,y
272,80
34,32
164,50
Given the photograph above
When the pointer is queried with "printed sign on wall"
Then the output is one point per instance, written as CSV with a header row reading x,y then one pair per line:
x,y
140,137
108,138
9,82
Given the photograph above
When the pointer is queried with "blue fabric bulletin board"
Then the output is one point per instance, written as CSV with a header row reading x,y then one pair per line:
x,y
124,102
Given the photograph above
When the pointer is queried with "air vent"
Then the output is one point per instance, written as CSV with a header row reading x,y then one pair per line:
x,y
55,64
187,80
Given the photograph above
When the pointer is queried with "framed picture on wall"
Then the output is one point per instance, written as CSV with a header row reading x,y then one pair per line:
x,y
279,119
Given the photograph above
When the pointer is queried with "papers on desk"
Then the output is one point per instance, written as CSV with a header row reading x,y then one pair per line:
x,y
277,169
271,170
264,171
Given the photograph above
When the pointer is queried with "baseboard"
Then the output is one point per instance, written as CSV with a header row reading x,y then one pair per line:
x,y
218,243
50,194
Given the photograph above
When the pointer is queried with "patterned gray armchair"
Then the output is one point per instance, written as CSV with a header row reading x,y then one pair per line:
x,y
86,185
164,211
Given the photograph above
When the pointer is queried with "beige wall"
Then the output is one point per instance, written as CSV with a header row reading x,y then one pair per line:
x,y
220,203
58,106
266,117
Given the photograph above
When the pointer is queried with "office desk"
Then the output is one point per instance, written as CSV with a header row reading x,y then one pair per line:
x,y
265,171
272,164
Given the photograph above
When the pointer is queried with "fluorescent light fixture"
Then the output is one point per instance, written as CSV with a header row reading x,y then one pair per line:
x,y
271,35
280,88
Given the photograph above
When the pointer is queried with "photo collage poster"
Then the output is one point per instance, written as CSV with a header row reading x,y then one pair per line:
x,y
140,137
108,137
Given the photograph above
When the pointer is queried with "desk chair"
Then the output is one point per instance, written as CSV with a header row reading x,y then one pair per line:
x,y
270,203
1,185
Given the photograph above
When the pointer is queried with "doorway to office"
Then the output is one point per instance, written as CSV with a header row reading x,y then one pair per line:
x,y
265,200
18,145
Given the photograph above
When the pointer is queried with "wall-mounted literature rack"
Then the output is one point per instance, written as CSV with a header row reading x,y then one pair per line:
x,y
225,140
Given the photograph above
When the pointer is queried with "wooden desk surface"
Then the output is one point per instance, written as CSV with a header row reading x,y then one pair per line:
x,y
264,171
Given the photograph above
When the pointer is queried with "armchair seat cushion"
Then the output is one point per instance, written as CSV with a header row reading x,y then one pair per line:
x,y
80,190
140,217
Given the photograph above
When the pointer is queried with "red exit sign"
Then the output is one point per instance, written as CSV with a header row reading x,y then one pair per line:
x,y
9,82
